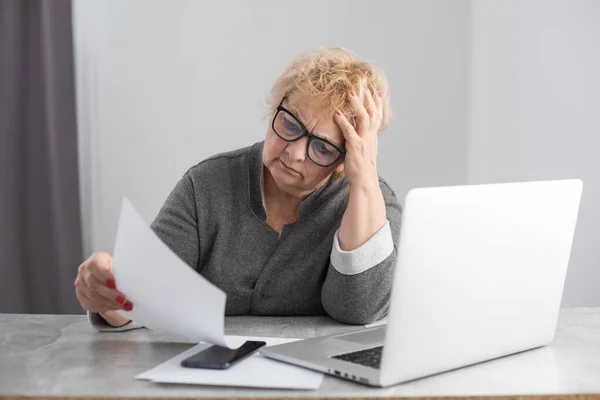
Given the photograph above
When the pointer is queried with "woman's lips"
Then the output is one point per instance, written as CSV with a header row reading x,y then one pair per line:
x,y
290,170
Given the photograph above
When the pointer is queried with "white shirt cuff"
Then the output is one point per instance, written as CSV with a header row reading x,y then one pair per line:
x,y
101,325
370,254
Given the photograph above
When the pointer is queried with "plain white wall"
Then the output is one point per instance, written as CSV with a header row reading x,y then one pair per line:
x,y
535,111
165,84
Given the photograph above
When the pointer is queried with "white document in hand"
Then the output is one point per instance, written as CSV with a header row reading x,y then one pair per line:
x,y
254,371
168,295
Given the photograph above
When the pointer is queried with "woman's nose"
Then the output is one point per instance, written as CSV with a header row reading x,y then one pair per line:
x,y
297,150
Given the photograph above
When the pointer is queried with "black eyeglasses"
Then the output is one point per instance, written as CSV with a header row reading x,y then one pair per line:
x,y
289,128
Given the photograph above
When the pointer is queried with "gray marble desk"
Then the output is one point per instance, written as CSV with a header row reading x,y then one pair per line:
x,y
52,355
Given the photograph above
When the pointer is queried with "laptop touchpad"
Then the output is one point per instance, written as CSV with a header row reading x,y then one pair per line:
x,y
366,337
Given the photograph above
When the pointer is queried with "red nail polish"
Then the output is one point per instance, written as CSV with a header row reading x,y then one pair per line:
x,y
379,94
337,112
128,306
120,300
111,284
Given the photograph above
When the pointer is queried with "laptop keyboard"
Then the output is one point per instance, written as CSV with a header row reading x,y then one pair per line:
x,y
369,357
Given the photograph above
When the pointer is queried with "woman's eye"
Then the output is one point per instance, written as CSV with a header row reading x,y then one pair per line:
x,y
322,148
291,126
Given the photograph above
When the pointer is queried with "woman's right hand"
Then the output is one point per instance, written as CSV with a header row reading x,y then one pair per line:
x,y
96,290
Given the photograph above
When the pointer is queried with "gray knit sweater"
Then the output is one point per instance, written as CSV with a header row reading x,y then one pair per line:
x,y
214,220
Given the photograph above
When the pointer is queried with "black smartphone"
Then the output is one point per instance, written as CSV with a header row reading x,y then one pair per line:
x,y
217,357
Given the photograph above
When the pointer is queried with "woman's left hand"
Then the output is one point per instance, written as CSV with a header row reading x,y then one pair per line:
x,y
360,165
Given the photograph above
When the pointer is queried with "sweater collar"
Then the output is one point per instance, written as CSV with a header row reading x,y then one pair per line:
x,y
308,207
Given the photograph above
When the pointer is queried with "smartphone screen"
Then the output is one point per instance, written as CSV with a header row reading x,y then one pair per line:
x,y
217,357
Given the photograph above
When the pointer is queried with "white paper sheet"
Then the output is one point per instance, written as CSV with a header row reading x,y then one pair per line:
x,y
377,323
168,295
254,371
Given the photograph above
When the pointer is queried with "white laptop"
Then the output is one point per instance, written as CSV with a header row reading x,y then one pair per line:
x,y
479,275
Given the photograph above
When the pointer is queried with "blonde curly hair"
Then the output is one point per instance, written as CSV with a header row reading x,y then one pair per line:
x,y
327,76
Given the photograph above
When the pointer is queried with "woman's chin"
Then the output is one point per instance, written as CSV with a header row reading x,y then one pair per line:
x,y
285,178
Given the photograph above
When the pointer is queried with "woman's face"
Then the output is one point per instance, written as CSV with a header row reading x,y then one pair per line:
x,y
289,165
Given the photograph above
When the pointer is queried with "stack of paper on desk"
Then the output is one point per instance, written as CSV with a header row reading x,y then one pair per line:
x,y
254,371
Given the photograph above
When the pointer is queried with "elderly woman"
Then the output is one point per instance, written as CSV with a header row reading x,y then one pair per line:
x,y
299,224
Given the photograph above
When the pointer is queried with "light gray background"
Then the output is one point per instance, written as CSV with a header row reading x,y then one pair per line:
x,y
481,92
535,111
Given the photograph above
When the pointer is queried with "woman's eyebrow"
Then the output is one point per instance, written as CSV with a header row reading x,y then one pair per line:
x,y
316,134
296,113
